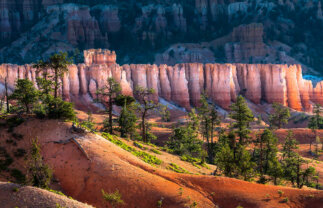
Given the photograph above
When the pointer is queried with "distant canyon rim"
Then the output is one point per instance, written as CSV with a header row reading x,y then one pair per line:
x,y
181,84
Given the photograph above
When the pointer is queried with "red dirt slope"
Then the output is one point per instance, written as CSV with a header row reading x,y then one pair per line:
x,y
99,164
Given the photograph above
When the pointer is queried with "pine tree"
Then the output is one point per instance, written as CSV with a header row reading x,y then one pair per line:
x,y
242,115
194,122
233,158
25,93
127,119
265,154
164,113
293,163
209,119
108,94
58,63
279,117
143,96
7,94
316,123
185,142
39,174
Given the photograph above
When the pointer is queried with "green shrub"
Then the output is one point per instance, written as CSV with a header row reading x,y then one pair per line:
x,y
16,189
150,159
280,192
137,144
155,151
113,199
176,168
285,200
40,111
160,203
64,110
180,191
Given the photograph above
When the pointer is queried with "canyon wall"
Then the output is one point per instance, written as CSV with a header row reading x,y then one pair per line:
x,y
183,84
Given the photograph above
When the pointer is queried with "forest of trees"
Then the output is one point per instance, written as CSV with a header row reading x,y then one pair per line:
x,y
234,149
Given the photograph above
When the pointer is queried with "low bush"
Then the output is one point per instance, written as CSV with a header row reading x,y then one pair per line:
x,y
59,109
113,199
176,168
155,151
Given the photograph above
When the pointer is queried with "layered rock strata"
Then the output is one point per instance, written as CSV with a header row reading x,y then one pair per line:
x,y
183,84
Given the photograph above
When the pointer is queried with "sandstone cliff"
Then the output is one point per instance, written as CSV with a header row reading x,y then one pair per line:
x,y
183,84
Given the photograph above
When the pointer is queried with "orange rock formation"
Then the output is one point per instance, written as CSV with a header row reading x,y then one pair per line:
x,y
183,84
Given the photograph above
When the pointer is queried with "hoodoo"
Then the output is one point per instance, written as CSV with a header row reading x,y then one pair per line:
x,y
183,84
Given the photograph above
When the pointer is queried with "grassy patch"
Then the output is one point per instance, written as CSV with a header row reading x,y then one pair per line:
x,y
114,199
176,168
195,161
58,193
150,159
155,151
140,146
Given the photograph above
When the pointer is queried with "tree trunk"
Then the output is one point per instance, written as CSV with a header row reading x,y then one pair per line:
x,y
1,104
260,161
56,84
110,115
7,96
143,126
212,145
27,108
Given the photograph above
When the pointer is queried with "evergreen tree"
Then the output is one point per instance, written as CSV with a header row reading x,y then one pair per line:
x,y
6,94
235,164
209,119
45,88
165,114
25,94
185,142
194,122
293,162
233,158
242,115
109,94
38,173
58,63
279,117
143,96
316,123
127,119
265,155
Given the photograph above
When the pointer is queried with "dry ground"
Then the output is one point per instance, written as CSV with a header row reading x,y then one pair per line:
x,y
83,171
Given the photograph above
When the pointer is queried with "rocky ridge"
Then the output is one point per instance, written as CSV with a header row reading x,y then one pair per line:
x,y
166,32
183,84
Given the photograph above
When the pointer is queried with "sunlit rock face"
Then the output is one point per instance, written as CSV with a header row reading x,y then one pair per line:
x,y
183,84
